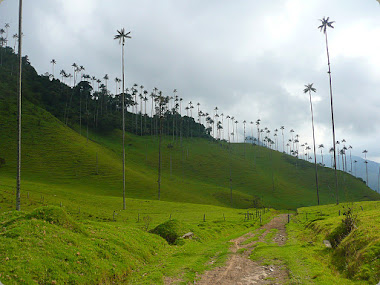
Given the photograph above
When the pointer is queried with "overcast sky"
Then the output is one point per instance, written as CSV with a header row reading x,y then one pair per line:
x,y
251,59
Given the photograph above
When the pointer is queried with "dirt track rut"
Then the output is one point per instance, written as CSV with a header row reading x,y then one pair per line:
x,y
241,270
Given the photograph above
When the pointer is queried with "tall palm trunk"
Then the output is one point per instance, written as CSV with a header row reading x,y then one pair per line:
x,y
322,157
315,154
18,190
80,112
159,159
123,117
332,120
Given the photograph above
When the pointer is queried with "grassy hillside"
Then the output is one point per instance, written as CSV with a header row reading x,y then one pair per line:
x,y
354,258
71,200
54,245
54,155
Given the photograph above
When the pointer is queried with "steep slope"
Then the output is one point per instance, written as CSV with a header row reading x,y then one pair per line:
x,y
197,172
194,170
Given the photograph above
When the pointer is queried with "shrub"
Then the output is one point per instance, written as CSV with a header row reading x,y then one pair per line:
x,y
171,230
340,232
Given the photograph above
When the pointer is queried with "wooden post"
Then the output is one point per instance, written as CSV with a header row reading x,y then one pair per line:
x,y
114,216
60,204
170,217
224,217
204,217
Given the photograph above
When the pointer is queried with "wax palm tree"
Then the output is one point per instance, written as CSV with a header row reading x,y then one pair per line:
x,y
283,141
63,74
309,88
292,131
237,134
3,40
106,78
2,44
350,147
53,62
122,36
145,114
18,179
325,23
366,163
321,146
6,30
258,131
244,122
81,68
15,37
342,152
338,143
161,109
331,151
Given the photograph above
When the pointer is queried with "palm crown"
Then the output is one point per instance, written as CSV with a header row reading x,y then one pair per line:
x,y
325,23
121,36
309,87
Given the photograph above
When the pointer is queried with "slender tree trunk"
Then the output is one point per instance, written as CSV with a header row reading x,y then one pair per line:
x,y
351,161
80,112
123,117
332,121
230,150
159,160
18,188
315,154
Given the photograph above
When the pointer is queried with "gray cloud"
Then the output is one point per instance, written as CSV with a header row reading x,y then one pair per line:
x,y
249,58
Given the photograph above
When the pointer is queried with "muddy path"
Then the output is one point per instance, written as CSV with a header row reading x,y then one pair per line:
x,y
241,270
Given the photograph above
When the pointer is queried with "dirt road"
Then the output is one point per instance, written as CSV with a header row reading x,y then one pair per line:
x,y
240,269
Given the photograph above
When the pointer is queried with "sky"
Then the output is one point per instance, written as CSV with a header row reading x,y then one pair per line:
x,y
251,59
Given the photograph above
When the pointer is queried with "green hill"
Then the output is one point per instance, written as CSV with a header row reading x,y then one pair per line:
x,y
195,170
89,239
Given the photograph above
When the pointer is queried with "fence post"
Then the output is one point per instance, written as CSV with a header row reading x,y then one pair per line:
x,y
204,217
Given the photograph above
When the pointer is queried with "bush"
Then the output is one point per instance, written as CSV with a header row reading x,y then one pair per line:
x,y
340,232
171,230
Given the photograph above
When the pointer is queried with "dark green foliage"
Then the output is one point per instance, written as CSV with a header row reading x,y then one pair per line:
x,y
87,105
171,230
343,230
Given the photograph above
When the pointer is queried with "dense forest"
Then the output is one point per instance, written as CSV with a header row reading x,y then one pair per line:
x,y
89,104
